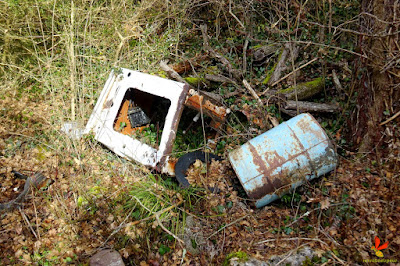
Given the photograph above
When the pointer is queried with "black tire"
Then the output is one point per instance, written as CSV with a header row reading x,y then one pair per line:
x,y
187,160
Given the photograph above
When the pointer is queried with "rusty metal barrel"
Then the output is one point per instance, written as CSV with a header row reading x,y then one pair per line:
x,y
283,158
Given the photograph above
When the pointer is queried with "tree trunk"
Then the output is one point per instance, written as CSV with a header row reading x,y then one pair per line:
x,y
377,89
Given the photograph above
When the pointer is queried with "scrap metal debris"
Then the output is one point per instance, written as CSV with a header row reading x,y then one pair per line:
x,y
137,116
268,166
37,180
113,105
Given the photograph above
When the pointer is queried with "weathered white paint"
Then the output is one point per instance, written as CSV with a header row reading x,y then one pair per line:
x,y
102,119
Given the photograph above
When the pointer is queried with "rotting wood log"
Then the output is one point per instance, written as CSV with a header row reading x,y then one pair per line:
x,y
304,90
289,112
276,72
262,53
311,107
218,78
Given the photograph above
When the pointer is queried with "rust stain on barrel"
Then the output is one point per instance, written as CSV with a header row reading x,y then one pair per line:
x,y
262,169
303,149
272,182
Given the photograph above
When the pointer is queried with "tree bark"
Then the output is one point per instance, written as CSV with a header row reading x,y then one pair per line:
x,y
376,89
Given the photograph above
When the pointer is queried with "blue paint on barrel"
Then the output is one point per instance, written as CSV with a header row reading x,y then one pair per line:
x,y
282,158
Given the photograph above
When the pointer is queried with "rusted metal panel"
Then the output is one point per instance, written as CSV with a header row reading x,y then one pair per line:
x,y
282,158
197,102
112,103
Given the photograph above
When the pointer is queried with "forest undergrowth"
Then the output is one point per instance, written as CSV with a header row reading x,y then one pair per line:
x,y
54,60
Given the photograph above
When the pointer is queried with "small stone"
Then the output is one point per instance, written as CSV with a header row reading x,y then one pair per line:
x,y
106,257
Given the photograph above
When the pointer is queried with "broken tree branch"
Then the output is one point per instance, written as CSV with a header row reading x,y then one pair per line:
x,y
234,16
36,181
304,90
311,107
252,92
280,66
291,113
222,79
272,119
173,74
390,119
28,224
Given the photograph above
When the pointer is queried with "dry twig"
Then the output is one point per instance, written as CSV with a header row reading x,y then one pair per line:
x,y
272,119
222,228
390,119
252,92
291,73
27,222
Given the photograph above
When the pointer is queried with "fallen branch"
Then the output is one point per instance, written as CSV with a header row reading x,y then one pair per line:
x,y
27,222
280,66
173,74
234,16
294,71
293,239
273,120
222,79
390,119
231,70
252,92
304,90
261,54
311,107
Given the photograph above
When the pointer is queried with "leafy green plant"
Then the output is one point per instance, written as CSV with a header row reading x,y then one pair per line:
x,y
163,249
150,135
122,125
